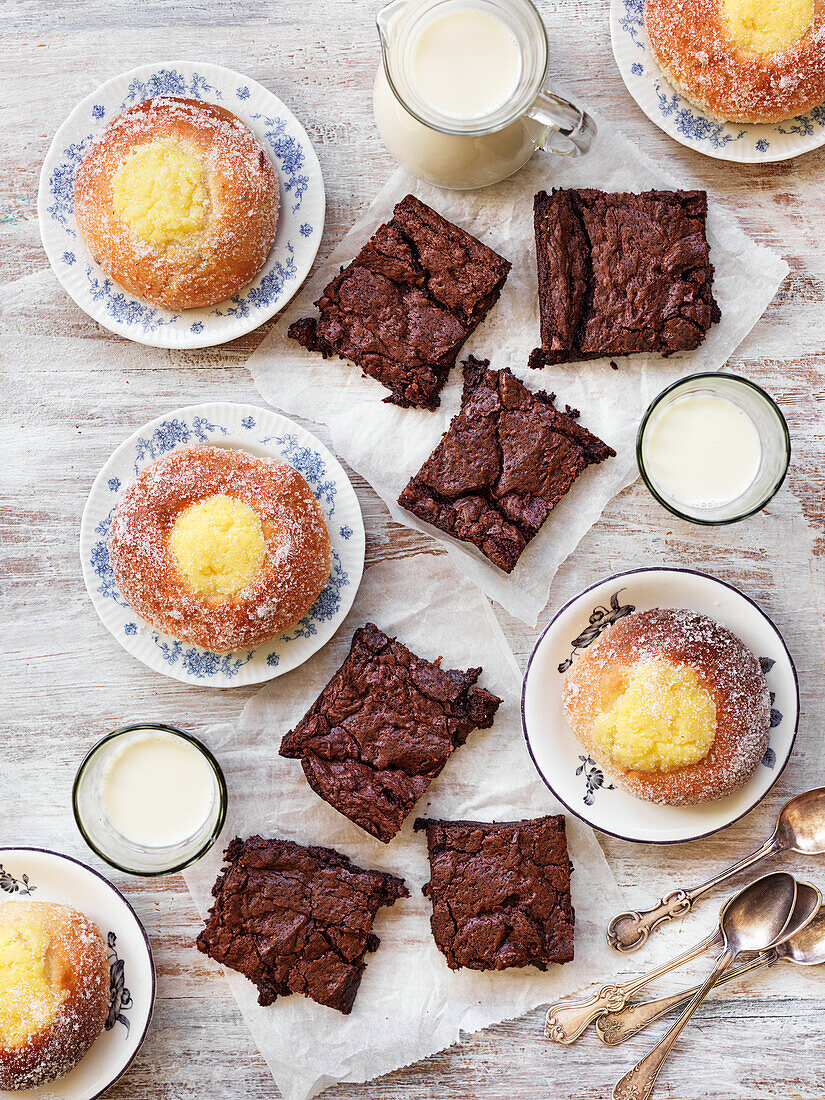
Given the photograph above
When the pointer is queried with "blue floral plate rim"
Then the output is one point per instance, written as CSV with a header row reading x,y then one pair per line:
x,y
300,225
687,123
25,875
260,431
580,791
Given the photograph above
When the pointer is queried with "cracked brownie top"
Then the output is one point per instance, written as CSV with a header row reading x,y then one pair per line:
x,y
383,728
407,302
505,461
500,892
620,273
295,919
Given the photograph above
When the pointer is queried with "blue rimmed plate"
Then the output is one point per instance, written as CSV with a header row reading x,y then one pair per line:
x,y
300,223
35,874
260,432
688,124
575,778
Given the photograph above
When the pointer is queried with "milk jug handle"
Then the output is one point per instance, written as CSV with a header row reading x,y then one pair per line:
x,y
569,131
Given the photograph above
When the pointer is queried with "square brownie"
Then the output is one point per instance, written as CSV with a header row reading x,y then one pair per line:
x,y
503,464
620,273
500,892
383,728
407,302
295,919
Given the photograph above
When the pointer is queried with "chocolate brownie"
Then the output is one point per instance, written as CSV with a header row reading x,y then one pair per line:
x,y
500,892
621,273
407,302
503,464
383,728
295,919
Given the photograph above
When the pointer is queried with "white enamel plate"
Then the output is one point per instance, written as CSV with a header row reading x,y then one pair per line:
x,y
688,124
576,779
260,432
300,223
38,875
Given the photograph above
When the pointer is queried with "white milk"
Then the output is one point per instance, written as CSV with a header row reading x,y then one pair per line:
x,y
465,64
702,451
157,789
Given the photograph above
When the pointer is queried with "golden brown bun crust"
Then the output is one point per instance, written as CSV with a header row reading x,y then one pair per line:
x,y
726,668
295,569
696,55
244,201
78,963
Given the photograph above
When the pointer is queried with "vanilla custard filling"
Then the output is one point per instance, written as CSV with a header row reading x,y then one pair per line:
x,y
663,719
159,191
27,1001
218,545
766,26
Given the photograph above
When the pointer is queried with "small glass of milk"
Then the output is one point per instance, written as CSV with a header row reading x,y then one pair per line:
x,y
461,98
713,448
150,799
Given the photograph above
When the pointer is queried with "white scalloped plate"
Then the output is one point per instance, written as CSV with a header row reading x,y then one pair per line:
x,y
576,779
300,223
687,123
261,432
39,875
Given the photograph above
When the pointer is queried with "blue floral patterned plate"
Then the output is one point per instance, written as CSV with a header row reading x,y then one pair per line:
x,y
575,778
687,123
260,432
34,874
300,225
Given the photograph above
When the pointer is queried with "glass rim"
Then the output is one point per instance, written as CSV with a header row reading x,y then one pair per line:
x,y
678,384
520,108
223,798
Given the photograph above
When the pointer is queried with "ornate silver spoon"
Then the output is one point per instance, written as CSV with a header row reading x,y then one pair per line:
x,y
805,946
800,827
755,919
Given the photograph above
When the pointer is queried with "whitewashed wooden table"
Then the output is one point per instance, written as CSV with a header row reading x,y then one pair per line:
x,y
72,391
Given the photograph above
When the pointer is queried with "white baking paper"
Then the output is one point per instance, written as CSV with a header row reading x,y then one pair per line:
x,y
409,1004
387,444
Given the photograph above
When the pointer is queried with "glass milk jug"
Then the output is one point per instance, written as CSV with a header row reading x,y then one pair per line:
x,y
461,100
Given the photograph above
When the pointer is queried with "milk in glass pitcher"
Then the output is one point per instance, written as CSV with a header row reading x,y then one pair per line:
x,y
461,99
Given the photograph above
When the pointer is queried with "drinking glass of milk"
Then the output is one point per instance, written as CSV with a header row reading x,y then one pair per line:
x,y
150,799
713,448
461,99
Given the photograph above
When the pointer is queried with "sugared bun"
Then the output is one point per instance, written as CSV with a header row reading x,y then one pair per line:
x,y
749,61
54,991
220,548
672,704
178,202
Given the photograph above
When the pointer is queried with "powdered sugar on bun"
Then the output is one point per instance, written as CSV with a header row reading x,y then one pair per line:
x,y
296,561
698,52
205,174
54,991
724,668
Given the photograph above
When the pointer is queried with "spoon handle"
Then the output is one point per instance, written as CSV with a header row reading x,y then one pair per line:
x,y
628,931
616,1027
637,1083
566,1020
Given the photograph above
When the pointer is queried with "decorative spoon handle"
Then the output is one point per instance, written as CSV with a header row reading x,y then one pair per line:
x,y
637,1084
566,1020
615,1027
629,931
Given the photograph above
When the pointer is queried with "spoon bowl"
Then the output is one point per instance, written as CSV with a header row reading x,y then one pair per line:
x,y
806,947
756,918
800,824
